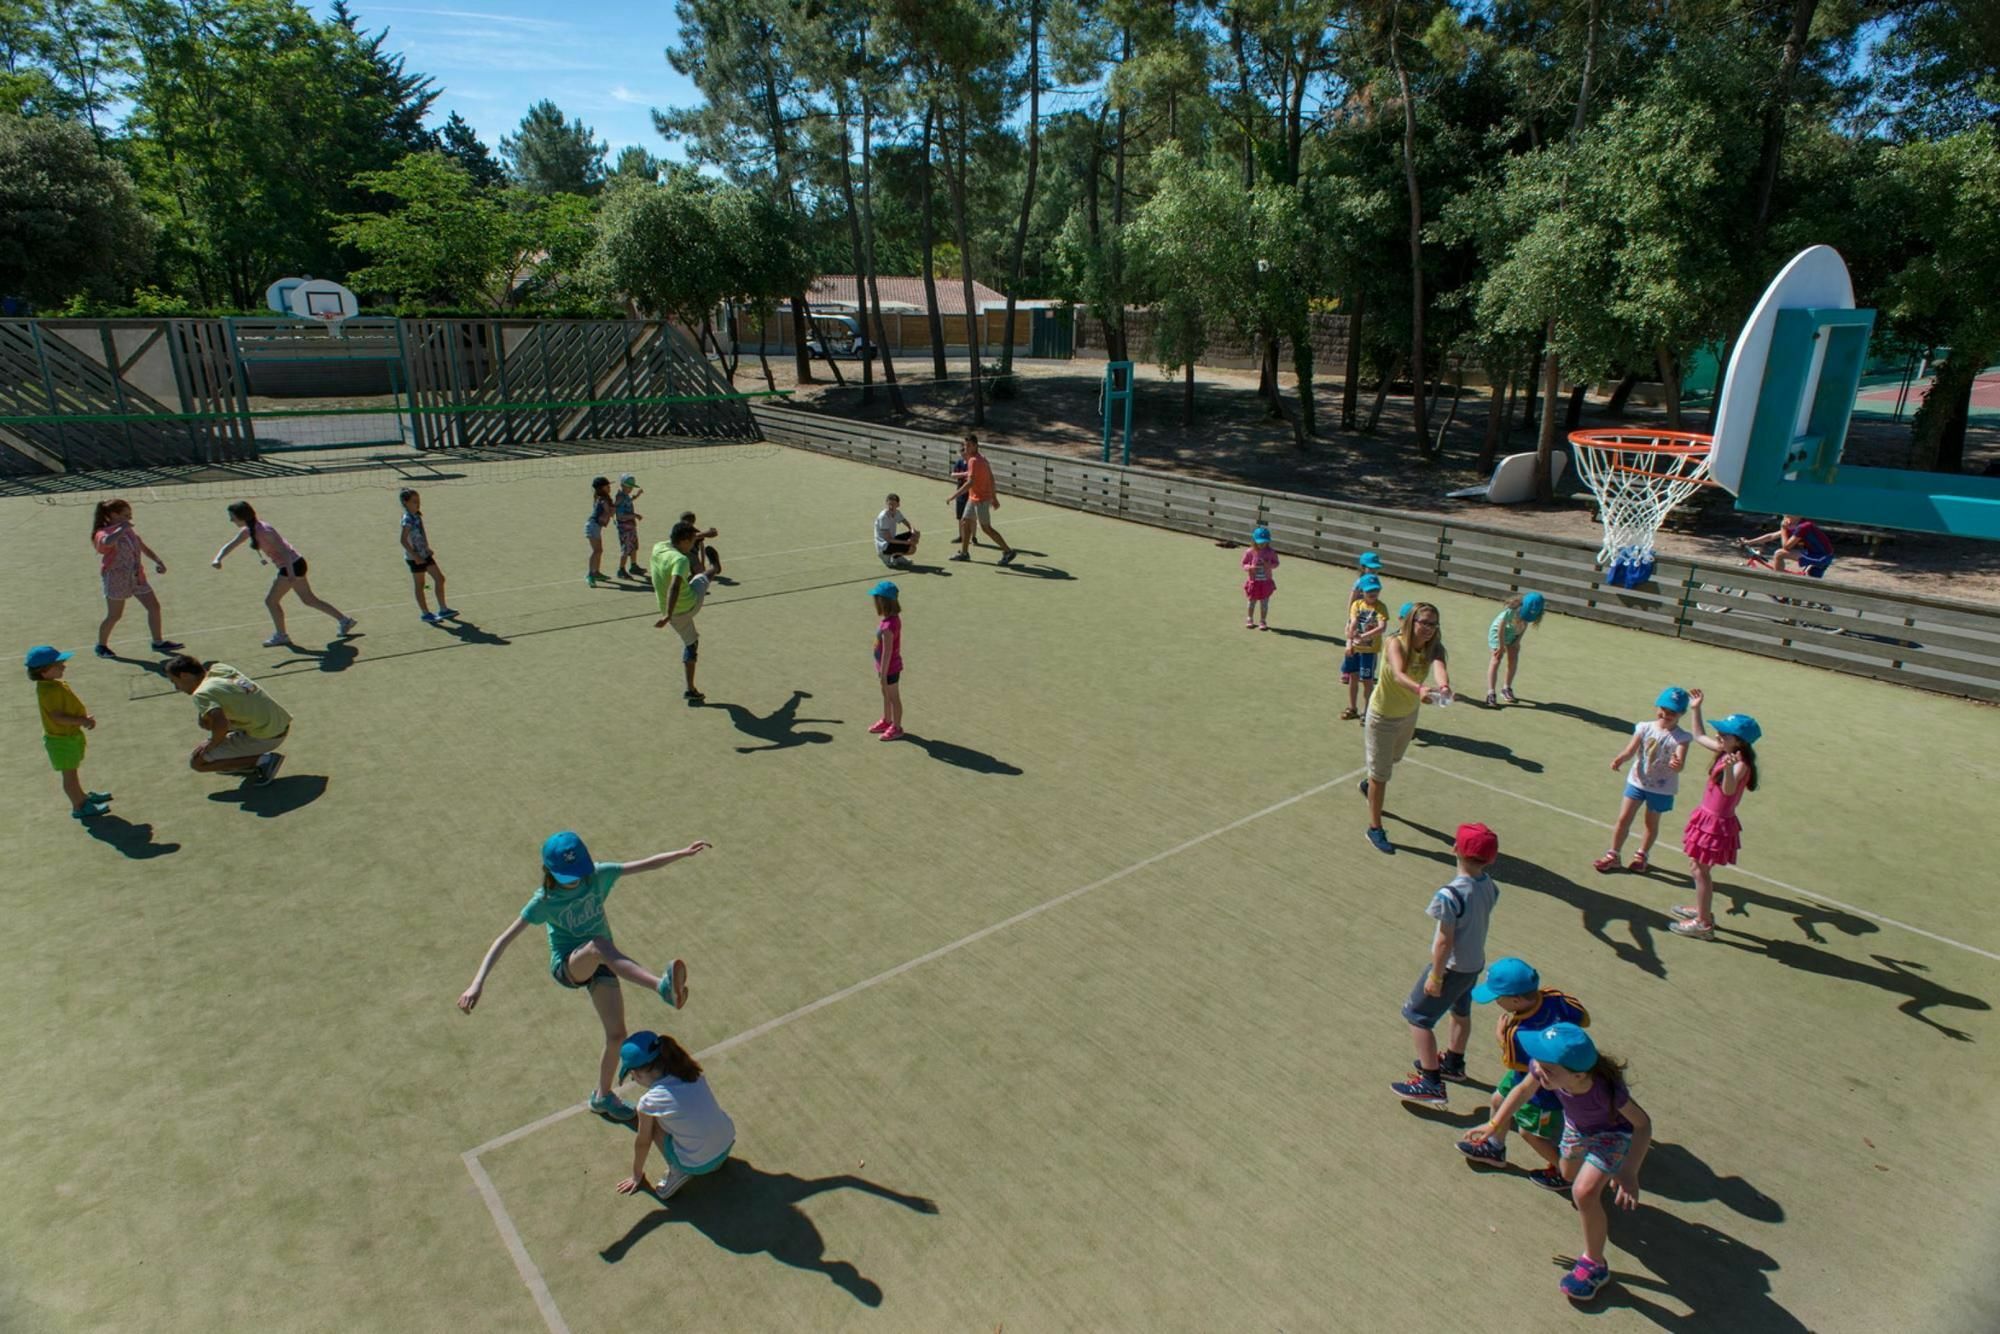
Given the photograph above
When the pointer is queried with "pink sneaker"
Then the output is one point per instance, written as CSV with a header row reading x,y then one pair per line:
x,y
879,725
892,733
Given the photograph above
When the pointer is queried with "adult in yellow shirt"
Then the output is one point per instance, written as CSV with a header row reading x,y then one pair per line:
x,y
1413,674
245,725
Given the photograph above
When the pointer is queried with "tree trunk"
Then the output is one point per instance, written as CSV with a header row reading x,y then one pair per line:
x,y
1187,396
1302,367
1545,443
763,355
1938,431
1530,391
1267,370
774,126
1028,190
1350,389
1772,151
1573,414
1496,424
1451,414
881,338
930,249
1619,395
1382,396
860,253
1418,422
1670,386
958,184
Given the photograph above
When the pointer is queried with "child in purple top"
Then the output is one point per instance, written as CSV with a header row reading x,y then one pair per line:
x,y
888,659
275,550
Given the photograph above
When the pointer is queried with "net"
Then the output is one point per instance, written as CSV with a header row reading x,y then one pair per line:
x,y
1638,478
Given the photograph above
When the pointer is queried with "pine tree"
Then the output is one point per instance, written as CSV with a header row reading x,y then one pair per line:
x,y
552,156
462,144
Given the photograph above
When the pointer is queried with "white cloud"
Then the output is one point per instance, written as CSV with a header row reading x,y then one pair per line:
x,y
620,93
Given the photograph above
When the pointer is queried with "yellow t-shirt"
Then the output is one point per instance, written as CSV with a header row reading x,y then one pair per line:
x,y
1392,698
1364,616
242,701
56,697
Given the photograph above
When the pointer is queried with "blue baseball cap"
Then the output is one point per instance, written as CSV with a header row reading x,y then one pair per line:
x,y
1507,977
642,1048
565,857
885,589
1565,1045
1368,583
44,655
1672,698
1741,726
1368,560
1531,606
1260,534
1403,612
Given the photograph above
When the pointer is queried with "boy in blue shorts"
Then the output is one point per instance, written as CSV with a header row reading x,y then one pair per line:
x,y
1462,911
1366,618
1526,1006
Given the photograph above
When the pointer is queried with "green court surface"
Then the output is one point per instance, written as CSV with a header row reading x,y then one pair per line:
x,y
1076,1010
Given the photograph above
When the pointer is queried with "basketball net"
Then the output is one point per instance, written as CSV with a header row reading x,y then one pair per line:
x,y
1638,478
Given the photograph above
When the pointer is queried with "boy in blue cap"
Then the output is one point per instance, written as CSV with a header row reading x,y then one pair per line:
x,y
64,721
1462,910
1660,746
1525,1006
1366,619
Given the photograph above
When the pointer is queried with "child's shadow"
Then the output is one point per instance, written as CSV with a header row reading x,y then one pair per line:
x,y
1486,750
748,1212
1317,638
337,656
133,840
1048,572
779,727
465,632
1583,715
962,757
1902,977
1725,1282
1808,917
1673,1173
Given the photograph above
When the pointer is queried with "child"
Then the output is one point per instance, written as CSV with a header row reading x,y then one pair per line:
x,y
888,658
1366,563
1258,585
894,548
628,518
701,553
1462,910
959,469
678,1112
417,554
1504,639
1366,619
1605,1136
123,573
1661,747
291,576
602,510
680,592
1713,836
64,721
1798,539
1525,1006
570,904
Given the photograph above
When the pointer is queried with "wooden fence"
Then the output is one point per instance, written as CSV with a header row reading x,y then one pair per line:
x,y
1933,643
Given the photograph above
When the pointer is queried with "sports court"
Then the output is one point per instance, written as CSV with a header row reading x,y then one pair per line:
x,y
1075,1010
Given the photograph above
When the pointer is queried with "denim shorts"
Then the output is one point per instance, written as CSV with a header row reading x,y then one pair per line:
x,y
1358,667
1657,802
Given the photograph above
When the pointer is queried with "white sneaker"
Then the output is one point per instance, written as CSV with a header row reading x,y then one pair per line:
x,y
671,1182
346,624
278,641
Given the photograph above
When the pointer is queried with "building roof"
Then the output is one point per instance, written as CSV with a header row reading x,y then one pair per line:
x,y
837,289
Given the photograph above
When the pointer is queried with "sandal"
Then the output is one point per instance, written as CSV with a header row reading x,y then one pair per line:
x,y
1638,863
1607,863
1348,714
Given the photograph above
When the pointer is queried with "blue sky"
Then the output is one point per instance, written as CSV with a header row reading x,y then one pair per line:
x,y
603,61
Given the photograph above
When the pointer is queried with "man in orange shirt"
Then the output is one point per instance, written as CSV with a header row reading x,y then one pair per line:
x,y
980,502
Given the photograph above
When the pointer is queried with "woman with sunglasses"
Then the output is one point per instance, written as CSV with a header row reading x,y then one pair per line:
x,y
1413,674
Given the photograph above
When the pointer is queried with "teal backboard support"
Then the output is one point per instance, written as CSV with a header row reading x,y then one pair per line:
x,y
1793,461
1117,397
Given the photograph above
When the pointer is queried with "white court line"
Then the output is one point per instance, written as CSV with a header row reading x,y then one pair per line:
x,y
504,1222
1774,883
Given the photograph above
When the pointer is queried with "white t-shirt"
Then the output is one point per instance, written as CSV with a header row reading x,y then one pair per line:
x,y
700,1130
1650,767
886,524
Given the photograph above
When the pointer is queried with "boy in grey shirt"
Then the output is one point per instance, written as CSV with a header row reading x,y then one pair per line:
x,y
1462,910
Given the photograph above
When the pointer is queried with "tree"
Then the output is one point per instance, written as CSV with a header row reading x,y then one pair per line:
x,y
70,220
635,164
462,144
549,155
1189,240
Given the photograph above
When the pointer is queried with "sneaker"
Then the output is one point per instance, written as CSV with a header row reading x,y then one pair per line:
x,y
96,798
278,641
346,625
893,734
879,726
1249,625
90,810
1491,702
673,987
168,646
1485,1151
1426,1089
1638,863
1380,841
1507,693
1692,929
1607,863
693,696
1007,556
668,1184
1263,626
1451,1066
267,767
613,1108
446,613
1581,1283
592,579
963,555
104,651
430,618
1687,912
1549,1178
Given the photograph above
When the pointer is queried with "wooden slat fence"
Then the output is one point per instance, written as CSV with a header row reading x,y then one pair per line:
x,y
1933,643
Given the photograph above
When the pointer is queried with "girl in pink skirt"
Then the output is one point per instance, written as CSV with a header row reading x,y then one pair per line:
x,y
1258,585
1713,834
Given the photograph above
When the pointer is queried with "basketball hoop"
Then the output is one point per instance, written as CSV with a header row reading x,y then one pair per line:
x,y
1638,478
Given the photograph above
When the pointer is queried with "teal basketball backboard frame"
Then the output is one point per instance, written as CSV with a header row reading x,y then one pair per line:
x,y
1117,396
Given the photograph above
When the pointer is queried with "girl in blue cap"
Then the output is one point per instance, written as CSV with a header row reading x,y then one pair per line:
x,y
678,1112
1504,639
1714,835
888,659
1605,1137
1659,750
570,904
1258,564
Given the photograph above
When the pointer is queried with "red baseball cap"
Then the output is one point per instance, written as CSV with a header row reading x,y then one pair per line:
x,y
1475,842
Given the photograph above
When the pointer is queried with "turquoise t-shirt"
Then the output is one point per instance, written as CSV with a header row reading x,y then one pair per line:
x,y
574,916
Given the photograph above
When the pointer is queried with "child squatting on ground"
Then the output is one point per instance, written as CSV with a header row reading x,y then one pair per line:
x,y
417,554
1462,910
1525,1006
1658,749
678,1112
1503,640
895,537
64,721
582,957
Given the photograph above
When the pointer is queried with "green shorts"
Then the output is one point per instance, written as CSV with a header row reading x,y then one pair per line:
x,y
65,752
1542,1122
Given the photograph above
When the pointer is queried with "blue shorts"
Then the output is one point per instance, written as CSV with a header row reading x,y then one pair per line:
x,y
1358,667
1657,802
1455,997
1606,1149
1816,566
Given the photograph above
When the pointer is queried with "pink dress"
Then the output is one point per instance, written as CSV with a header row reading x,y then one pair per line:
x,y
1259,561
1714,835
891,628
121,570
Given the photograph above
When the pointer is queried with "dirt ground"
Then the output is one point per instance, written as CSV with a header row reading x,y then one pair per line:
x,y
1234,440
